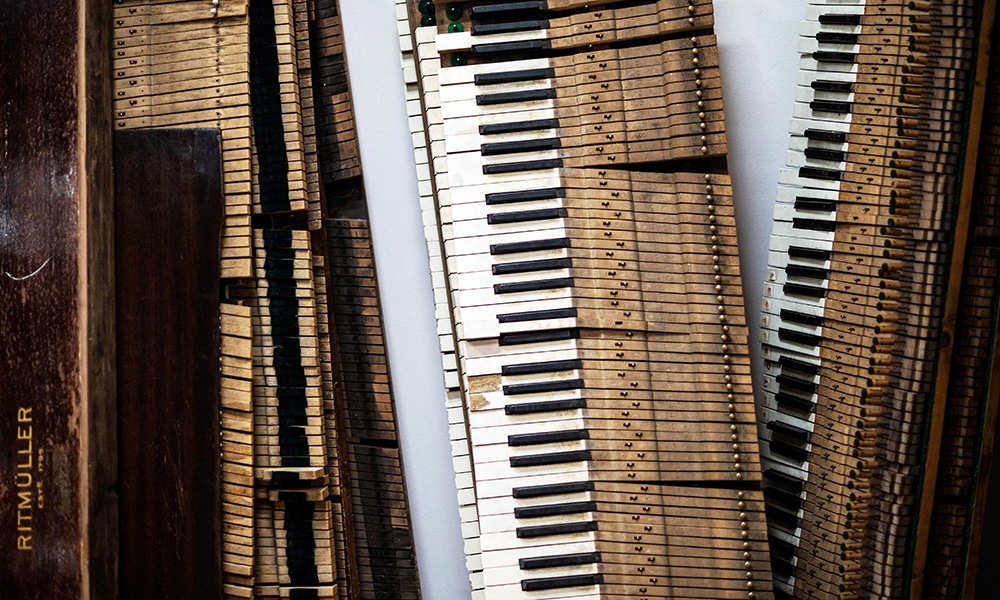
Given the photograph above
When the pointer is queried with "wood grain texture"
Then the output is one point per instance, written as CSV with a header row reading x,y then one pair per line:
x,y
56,472
169,210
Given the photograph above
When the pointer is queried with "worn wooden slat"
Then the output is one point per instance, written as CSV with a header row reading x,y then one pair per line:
x,y
169,210
57,466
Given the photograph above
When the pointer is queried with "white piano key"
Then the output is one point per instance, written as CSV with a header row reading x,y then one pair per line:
x,y
449,42
814,11
491,488
467,73
807,77
512,574
809,44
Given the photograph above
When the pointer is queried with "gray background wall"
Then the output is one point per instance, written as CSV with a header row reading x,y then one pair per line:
x,y
757,47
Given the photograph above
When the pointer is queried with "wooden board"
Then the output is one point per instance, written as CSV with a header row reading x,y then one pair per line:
x,y
56,309
169,210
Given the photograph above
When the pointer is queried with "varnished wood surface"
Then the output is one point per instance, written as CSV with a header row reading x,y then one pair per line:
x,y
58,345
169,209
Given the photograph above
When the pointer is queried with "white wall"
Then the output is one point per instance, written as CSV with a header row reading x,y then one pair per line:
x,y
757,46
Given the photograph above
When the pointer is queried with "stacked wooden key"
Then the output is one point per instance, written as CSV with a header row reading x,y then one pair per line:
x,y
865,265
587,223
314,503
338,147
237,450
186,64
383,548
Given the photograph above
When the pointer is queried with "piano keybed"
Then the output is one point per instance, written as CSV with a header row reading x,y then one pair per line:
x,y
314,503
590,252
856,290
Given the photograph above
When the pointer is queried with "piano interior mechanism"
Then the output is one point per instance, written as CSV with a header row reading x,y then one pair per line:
x,y
201,396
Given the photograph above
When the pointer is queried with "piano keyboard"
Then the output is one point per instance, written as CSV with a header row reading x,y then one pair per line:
x,y
596,304
856,290
424,111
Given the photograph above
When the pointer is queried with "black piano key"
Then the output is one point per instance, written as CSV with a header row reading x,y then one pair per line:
x,y
823,56
554,583
552,510
536,315
786,429
524,196
792,364
782,567
536,337
833,37
825,135
524,216
784,481
818,204
821,174
303,593
534,531
814,224
518,126
550,458
530,246
831,106
553,489
807,272
795,403
549,437
502,8
499,148
509,27
798,337
530,408
807,291
781,547
527,165
511,47
530,266
552,366
780,594
559,560
790,451
533,286
790,501
825,154
809,253
794,316
515,97
793,384
781,518
824,85
561,385
840,19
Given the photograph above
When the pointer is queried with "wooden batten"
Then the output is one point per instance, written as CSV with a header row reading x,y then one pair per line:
x,y
58,424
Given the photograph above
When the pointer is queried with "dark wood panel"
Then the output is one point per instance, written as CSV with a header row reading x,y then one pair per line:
x,y
57,406
169,208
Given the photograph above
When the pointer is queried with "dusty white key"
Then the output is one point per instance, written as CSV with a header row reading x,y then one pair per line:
x,y
814,11
809,44
467,73
790,177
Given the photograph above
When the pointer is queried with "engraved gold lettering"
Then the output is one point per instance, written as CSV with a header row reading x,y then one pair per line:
x,y
24,479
